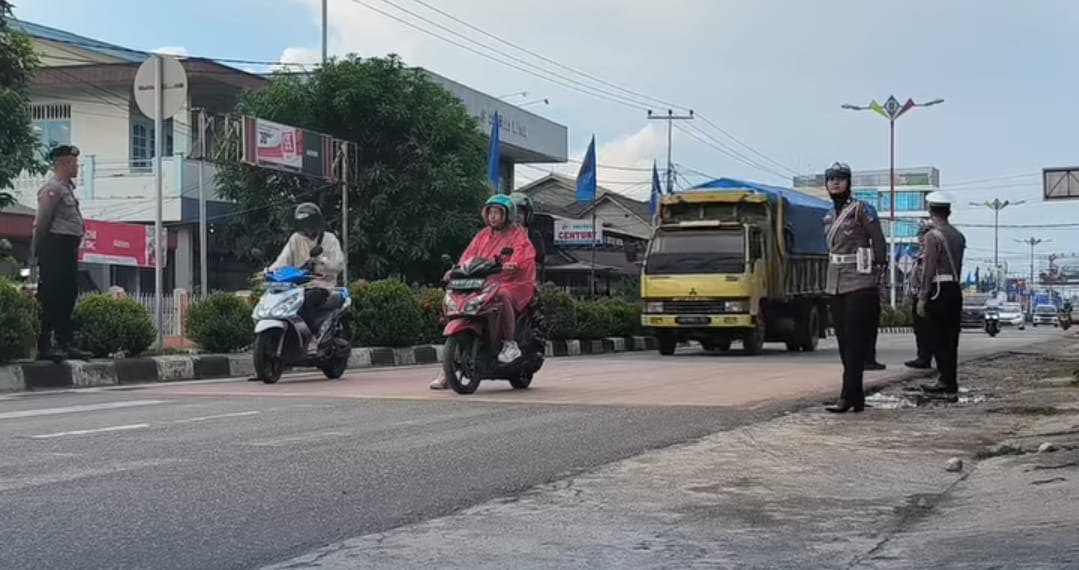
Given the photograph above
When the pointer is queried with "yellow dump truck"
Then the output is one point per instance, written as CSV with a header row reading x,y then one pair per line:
x,y
734,260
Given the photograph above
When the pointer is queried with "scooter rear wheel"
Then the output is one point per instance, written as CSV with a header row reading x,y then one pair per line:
x,y
459,362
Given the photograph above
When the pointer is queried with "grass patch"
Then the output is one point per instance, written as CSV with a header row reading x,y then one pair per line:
x,y
998,451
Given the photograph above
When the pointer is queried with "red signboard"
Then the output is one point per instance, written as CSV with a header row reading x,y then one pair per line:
x,y
117,244
287,148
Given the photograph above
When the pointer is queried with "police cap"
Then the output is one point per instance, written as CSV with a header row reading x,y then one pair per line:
x,y
63,150
938,199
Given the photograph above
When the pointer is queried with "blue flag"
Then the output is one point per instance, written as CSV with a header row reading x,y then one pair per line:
x,y
586,176
492,156
657,191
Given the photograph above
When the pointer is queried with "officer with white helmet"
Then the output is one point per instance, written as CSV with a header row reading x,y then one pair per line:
x,y
940,298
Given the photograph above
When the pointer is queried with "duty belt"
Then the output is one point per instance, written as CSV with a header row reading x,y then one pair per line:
x,y
944,279
844,258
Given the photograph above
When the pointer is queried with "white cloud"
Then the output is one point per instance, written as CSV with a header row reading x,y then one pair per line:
x,y
298,59
178,51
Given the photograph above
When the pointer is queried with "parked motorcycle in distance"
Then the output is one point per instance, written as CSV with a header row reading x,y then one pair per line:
x,y
471,352
287,335
992,321
1064,319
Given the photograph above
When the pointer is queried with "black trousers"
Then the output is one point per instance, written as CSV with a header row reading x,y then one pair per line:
x,y
871,350
921,334
57,289
944,311
854,316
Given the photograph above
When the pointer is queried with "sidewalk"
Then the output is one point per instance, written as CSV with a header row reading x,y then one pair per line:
x,y
807,490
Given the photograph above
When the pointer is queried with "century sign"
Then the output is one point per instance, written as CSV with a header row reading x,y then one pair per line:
x,y
577,232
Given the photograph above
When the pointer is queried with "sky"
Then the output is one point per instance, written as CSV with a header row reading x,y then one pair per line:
x,y
765,79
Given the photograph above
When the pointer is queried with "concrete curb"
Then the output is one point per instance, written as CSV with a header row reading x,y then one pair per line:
x,y
38,375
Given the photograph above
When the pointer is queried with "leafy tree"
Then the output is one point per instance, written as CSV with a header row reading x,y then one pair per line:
x,y
18,143
420,173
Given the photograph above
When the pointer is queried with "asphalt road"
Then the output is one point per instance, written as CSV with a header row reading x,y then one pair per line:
x,y
152,478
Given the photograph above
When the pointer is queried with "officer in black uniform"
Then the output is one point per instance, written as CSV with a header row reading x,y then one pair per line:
x,y
924,358
58,231
857,255
940,299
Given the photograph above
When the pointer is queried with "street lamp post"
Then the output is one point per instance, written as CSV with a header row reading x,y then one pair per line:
x,y
1032,242
891,110
997,205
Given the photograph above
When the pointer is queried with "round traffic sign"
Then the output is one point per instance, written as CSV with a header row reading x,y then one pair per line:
x,y
173,86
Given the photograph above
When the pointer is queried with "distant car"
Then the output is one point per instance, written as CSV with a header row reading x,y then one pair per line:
x,y
1044,315
1011,314
973,315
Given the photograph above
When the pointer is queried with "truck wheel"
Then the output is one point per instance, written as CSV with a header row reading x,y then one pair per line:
x,y
667,343
753,341
810,331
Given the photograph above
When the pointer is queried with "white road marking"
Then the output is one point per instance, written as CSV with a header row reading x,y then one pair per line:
x,y
77,409
298,439
14,483
216,417
90,431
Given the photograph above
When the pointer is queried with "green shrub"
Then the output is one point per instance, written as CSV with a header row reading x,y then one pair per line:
x,y
431,311
19,322
107,325
220,323
593,321
560,311
386,313
898,317
625,317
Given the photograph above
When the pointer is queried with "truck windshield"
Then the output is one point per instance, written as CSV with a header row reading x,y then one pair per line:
x,y
1045,310
675,252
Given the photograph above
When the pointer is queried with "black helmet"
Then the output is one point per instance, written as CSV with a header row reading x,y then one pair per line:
x,y
839,170
308,218
524,206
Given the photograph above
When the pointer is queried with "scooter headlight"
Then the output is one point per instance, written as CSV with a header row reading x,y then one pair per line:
x,y
279,306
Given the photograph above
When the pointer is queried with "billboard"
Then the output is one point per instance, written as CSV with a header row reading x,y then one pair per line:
x,y
287,148
117,244
1060,183
577,232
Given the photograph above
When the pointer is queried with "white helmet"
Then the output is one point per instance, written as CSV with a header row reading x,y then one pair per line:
x,y
938,200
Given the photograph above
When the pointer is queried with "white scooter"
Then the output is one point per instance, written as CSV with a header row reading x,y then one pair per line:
x,y
284,337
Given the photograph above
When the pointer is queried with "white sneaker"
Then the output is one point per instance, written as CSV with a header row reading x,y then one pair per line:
x,y
510,352
439,383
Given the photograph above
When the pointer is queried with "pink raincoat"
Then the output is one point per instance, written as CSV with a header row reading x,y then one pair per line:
x,y
489,243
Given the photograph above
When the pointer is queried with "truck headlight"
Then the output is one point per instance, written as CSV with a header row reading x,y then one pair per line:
x,y
738,306
653,307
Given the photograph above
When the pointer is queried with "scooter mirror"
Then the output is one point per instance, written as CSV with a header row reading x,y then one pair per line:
x,y
316,251
507,252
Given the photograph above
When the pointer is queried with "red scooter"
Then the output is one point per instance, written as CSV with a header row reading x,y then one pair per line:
x,y
471,351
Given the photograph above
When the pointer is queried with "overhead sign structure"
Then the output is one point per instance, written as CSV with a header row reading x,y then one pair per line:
x,y
1060,183
577,232
161,89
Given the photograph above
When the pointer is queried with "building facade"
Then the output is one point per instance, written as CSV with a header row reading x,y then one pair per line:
x,y
83,95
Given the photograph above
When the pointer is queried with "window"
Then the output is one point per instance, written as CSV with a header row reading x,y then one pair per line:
x,y
909,201
52,124
913,180
142,142
871,197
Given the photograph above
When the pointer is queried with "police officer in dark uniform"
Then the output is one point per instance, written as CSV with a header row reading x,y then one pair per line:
x,y
924,358
58,231
940,298
857,255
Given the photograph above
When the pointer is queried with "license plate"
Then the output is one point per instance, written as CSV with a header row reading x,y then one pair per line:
x,y
466,284
693,320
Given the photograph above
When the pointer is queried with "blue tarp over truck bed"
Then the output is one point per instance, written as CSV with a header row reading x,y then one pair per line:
x,y
805,214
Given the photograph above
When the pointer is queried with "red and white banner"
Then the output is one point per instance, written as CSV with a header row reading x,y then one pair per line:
x,y
117,244
290,149
280,145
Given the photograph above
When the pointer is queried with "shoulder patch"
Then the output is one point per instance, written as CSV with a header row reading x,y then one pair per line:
x,y
829,216
870,212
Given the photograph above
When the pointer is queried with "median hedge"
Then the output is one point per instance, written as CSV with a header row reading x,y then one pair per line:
x,y
19,322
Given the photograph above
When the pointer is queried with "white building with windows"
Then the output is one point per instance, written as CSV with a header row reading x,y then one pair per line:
x,y
83,96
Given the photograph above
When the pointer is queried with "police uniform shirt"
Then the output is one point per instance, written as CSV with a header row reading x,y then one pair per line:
x,y
58,209
944,246
916,273
858,227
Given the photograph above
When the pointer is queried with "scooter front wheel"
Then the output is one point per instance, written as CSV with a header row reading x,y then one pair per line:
x,y
268,366
459,362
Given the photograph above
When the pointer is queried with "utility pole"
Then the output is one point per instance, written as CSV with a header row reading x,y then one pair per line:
x,y
996,205
325,11
670,117
1032,242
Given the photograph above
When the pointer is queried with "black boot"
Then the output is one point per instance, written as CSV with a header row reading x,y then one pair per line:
x,y
842,406
874,365
918,364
